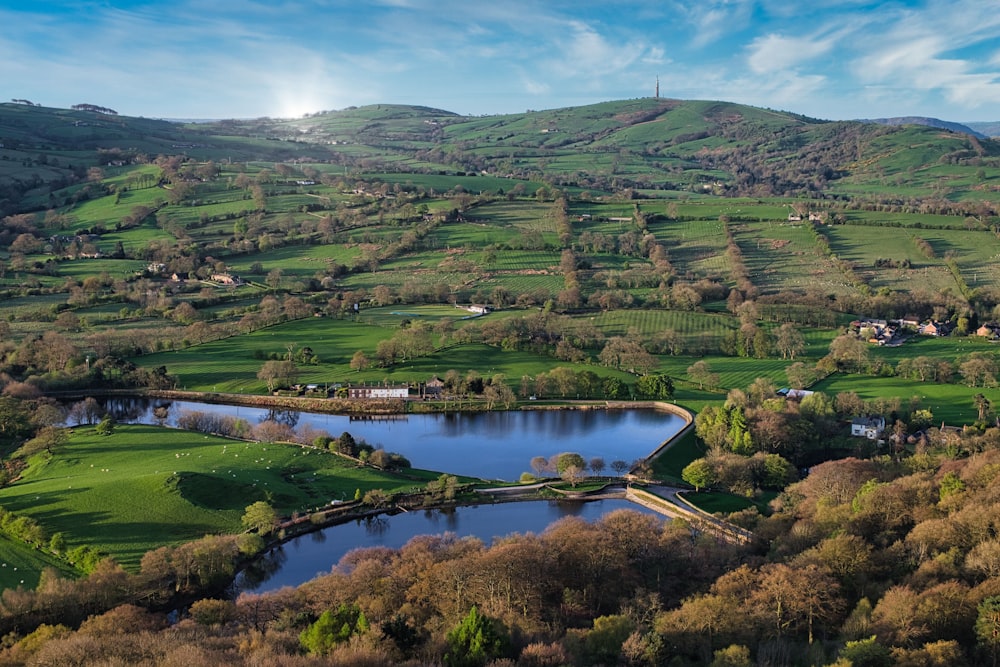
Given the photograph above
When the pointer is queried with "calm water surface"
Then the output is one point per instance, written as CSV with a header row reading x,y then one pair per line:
x,y
489,445
308,556
492,445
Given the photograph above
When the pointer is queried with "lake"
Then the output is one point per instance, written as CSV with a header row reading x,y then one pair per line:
x,y
488,445
308,556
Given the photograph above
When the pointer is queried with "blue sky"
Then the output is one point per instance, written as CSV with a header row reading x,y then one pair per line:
x,y
246,58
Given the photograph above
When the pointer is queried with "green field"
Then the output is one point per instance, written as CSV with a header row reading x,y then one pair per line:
x,y
21,566
143,486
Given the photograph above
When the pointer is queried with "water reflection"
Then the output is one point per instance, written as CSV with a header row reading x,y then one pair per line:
x,y
489,445
303,558
286,417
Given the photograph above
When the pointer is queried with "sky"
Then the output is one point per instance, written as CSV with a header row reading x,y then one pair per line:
x,y
198,59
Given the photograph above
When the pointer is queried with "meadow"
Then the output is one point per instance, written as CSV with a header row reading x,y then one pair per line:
x,y
145,486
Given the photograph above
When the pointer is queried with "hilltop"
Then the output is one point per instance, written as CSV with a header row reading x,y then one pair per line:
x,y
929,122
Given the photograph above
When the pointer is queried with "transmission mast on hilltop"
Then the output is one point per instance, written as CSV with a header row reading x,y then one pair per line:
x,y
657,87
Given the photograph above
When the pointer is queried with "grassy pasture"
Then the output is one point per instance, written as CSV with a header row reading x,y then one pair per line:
x,y
446,182
116,268
950,348
392,316
473,235
300,261
145,486
949,403
696,327
696,246
781,256
229,366
519,283
21,565
105,211
907,220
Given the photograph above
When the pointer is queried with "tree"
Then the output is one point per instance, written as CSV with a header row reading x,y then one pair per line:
x,y
980,370
212,612
260,517
474,641
332,628
597,465
799,375
734,655
988,626
699,474
567,459
701,373
789,341
47,438
276,373
866,653
850,352
106,426
669,342
620,467
572,474
539,464
982,406
655,385
359,361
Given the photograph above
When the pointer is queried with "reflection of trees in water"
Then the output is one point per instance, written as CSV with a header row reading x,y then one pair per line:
x,y
376,525
318,536
127,408
551,424
446,515
262,569
286,417
161,412
570,507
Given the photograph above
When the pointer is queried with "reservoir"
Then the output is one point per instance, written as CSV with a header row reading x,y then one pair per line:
x,y
305,557
488,445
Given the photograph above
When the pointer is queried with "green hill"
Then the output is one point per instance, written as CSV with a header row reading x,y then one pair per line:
x,y
702,147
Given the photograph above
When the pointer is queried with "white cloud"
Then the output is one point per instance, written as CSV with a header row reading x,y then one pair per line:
x,y
715,18
772,53
919,53
536,87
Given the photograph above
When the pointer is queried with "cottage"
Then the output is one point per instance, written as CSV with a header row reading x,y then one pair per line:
x,y
379,391
868,427
478,309
434,388
934,328
989,330
225,279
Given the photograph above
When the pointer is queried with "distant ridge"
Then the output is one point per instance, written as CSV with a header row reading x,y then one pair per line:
x,y
989,128
929,122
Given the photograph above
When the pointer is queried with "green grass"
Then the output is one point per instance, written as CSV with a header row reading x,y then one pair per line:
x,y
393,316
949,403
717,502
669,465
144,486
21,565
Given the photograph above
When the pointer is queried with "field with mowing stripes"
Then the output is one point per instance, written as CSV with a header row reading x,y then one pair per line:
x,y
144,486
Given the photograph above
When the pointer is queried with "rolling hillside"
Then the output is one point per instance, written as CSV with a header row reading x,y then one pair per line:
x,y
655,145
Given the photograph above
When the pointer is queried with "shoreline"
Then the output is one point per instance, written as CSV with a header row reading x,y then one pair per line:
x,y
348,406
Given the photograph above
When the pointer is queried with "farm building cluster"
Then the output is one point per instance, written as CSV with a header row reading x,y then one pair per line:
x,y
894,332
432,389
